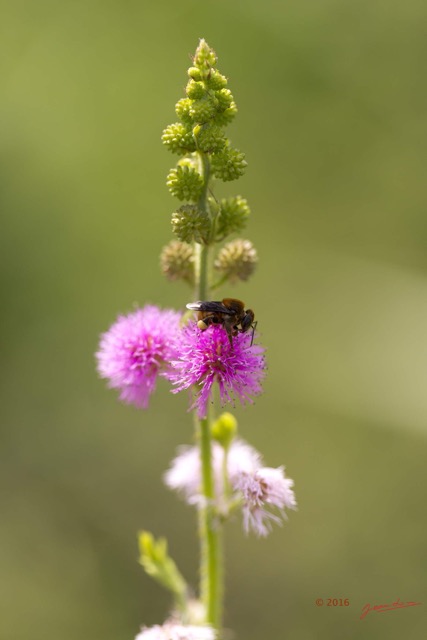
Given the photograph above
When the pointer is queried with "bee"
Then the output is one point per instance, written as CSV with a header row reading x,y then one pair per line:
x,y
229,312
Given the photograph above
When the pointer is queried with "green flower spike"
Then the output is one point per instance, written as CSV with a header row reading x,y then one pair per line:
x,y
202,220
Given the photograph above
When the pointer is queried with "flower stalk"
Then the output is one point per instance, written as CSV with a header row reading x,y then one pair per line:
x,y
216,359
211,589
210,531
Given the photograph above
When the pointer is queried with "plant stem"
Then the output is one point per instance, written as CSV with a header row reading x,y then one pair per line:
x,y
211,578
201,268
210,534
202,250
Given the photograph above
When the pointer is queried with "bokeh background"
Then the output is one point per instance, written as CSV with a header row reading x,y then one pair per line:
x,y
332,99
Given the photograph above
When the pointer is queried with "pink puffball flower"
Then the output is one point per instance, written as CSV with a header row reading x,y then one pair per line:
x,y
136,349
263,491
171,631
184,474
206,357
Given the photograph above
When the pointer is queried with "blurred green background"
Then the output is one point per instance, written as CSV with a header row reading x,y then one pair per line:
x,y
332,99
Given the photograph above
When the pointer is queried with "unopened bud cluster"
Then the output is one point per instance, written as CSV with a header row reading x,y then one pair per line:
x,y
207,109
185,183
190,223
199,138
237,260
177,261
232,217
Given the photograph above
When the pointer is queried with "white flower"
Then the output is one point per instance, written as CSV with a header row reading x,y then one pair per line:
x,y
184,474
242,458
170,631
264,489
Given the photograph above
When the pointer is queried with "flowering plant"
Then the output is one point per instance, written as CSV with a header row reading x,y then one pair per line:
x,y
222,474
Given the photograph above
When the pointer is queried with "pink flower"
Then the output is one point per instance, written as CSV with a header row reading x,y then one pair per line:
x,y
136,349
171,631
206,357
263,492
184,474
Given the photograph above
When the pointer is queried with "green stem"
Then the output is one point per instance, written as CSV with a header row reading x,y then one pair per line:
x,y
205,170
211,579
225,478
210,534
201,268
202,250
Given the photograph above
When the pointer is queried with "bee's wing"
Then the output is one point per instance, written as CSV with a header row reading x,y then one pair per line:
x,y
214,306
194,305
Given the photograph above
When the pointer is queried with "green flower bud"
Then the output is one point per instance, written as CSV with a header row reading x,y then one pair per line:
x,y
178,138
177,261
237,260
158,564
185,183
195,90
182,110
216,80
225,99
229,164
191,225
232,217
194,73
190,160
224,429
205,56
222,118
210,138
202,110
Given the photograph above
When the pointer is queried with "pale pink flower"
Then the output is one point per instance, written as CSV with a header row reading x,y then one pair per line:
x,y
171,631
266,493
184,474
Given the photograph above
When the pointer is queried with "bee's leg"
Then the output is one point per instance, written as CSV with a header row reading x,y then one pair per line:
x,y
229,333
204,323
254,324
230,329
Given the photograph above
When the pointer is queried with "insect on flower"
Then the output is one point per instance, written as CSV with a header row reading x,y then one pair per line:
x,y
230,313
